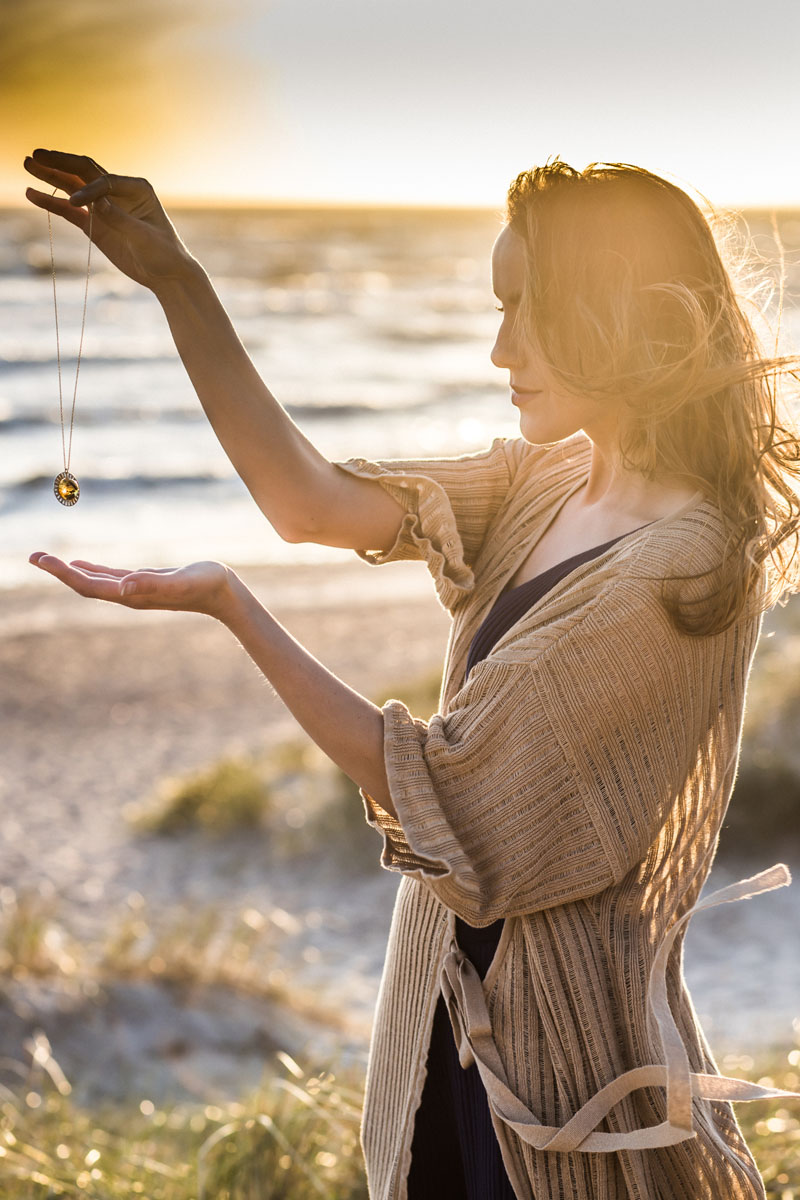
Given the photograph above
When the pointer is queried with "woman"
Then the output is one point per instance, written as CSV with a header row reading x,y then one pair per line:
x,y
555,821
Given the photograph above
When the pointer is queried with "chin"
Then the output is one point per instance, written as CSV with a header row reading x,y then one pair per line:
x,y
539,431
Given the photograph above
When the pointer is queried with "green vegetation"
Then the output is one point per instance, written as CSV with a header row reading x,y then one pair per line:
x,y
227,796
771,1128
763,814
32,944
420,696
293,795
189,947
181,945
295,1138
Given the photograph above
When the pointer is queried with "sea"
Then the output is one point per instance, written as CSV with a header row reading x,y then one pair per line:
x,y
372,327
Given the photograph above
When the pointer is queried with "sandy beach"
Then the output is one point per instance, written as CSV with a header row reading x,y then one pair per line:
x,y
101,703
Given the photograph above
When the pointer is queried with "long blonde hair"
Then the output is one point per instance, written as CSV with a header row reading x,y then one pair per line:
x,y
627,298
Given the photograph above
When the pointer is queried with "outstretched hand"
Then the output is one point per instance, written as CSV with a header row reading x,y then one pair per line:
x,y
203,587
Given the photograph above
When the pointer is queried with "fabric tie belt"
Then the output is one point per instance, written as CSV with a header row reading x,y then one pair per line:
x,y
466,1004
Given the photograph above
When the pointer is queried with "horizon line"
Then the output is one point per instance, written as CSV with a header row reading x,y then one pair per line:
x,y
249,203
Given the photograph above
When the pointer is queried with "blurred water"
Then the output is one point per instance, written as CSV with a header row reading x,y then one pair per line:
x,y
372,328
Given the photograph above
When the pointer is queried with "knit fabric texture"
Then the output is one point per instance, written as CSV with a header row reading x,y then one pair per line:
x,y
574,784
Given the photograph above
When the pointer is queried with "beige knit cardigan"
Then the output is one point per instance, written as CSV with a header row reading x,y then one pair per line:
x,y
574,785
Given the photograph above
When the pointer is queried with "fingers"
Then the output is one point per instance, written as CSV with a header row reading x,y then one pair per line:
x,y
60,179
79,167
110,185
83,178
114,572
61,208
74,174
98,570
99,587
119,572
109,584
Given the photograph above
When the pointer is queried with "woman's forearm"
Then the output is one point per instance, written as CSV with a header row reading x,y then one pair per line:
x,y
343,723
282,470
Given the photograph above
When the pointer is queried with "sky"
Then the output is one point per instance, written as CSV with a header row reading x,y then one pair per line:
x,y
436,102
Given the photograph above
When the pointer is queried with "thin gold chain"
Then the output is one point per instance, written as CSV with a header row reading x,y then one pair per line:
x,y
68,456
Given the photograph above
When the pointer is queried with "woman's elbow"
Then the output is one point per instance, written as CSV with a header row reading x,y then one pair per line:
x,y
294,536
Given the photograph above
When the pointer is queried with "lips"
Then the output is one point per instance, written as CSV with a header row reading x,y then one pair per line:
x,y
520,395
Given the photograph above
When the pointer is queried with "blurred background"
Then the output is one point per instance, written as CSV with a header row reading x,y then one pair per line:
x,y
193,917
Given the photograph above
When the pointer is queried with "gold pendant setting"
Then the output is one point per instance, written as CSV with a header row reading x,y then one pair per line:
x,y
66,488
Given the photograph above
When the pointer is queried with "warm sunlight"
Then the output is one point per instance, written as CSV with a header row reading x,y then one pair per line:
x,y
382,103
398,515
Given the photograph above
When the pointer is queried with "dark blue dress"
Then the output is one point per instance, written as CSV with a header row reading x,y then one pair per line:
x,y
455,1154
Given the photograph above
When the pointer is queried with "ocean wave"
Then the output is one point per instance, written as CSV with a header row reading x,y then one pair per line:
x,y
94,417
355,408
37,419
68,360
123,483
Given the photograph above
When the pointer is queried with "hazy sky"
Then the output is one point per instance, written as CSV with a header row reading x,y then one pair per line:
x,y
404,100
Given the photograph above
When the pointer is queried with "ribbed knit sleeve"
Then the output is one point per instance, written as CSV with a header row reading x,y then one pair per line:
x,y
552,771
449,504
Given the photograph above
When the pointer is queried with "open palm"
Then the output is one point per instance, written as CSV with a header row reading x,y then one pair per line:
x,y
200,587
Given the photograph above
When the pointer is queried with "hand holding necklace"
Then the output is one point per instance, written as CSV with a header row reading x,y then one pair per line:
x,y
131,227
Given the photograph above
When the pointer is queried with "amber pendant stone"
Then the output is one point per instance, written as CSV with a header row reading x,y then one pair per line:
x,y
66,488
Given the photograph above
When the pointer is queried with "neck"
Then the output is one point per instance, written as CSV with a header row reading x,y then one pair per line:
x,y
612,487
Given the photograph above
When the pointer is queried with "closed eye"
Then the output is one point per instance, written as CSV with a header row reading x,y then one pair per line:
x,y
499,308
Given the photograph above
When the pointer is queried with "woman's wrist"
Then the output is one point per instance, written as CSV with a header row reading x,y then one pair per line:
x,y
229,606
188,273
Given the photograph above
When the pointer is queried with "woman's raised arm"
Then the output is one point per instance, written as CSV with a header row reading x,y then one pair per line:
x,y
300,492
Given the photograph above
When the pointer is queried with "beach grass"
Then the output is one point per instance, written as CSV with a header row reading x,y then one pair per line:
x,y
185,947
294,794
772,1127
294,1138
229,794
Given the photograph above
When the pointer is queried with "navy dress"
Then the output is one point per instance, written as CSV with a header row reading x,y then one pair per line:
x,y
455,1154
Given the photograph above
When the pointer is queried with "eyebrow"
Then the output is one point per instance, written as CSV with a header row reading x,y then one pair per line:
x,y
513,299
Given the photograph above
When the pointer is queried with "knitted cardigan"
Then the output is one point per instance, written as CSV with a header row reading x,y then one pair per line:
x,y
574,785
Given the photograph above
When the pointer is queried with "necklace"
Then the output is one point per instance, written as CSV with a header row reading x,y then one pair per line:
x,y
65,485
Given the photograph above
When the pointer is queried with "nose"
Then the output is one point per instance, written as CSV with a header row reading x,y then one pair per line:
x,y
505,352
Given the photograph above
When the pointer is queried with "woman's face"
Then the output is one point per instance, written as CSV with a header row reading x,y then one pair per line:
x,y
547,414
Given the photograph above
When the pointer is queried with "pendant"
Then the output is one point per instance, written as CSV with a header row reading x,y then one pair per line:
x,y
66,488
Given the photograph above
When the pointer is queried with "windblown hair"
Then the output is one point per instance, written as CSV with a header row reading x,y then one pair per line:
x,y
627,299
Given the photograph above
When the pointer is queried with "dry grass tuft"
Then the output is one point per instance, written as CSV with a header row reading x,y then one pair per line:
x,y
298,1131
227,796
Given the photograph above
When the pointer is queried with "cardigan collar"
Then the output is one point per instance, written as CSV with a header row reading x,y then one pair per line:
x,y
529,510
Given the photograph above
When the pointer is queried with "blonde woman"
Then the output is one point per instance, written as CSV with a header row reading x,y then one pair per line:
x,y
607,573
